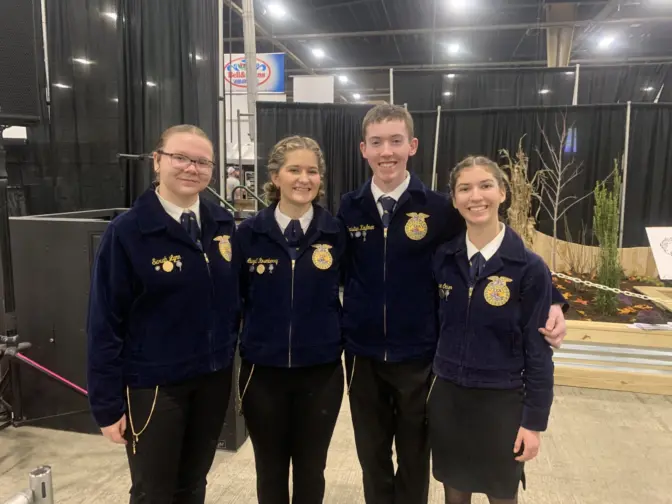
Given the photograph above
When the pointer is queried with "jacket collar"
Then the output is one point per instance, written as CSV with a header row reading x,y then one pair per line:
x,y
265,222
152,217
415,188
512,247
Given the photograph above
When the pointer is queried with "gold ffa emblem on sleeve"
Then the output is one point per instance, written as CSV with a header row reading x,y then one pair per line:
x,y
322,257
224,243
416,227
496,292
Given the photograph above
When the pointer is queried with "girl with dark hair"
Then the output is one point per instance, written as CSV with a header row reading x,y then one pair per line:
x,y
493,386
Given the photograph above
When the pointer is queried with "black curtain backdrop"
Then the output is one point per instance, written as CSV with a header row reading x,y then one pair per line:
x,y
425,131
418,90
69,160
167,76
648,200
338,130
521,87
31,189
636,83
507,88
597,132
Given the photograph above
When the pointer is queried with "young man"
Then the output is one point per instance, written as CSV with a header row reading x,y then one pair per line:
x,y
395,224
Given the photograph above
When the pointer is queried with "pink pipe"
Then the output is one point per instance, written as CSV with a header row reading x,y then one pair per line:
x,y
34,364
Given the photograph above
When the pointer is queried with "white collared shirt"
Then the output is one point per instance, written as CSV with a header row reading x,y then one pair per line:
x,y
490,249
396,194
176,211
283,221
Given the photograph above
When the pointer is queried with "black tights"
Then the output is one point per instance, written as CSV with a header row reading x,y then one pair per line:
x,y
457,497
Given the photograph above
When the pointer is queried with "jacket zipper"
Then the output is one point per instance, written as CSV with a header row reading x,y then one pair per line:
x,y
466,329
212,290
385,290
291,311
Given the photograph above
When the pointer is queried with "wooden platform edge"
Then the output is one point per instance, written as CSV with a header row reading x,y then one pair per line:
x,y
609,333
606,379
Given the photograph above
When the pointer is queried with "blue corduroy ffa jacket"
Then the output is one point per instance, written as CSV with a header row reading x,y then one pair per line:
x,y
291,309
389,300
490,338
161,310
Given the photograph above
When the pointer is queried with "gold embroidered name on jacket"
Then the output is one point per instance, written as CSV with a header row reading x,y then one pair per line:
x,y
168,263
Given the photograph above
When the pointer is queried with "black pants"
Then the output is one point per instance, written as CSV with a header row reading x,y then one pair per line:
x,y
291,415
387,401
174,453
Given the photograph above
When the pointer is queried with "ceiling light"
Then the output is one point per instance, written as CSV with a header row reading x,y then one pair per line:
x,y
356,96
276,10
544,91
318,53
453,48
569,73
111,15
447,93
648,89
83,61
199,57
605,42
115,100
451,76
62,86
343,79
458,4
151,84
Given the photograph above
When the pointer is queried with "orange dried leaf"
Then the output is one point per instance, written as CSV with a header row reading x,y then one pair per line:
x,y
581,301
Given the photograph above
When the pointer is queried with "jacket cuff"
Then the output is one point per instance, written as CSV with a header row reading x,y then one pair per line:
x,y
559,299
535,419
105,417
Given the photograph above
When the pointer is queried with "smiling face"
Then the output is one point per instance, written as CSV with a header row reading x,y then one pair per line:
x,y
477,194
387,147
180,178
298,179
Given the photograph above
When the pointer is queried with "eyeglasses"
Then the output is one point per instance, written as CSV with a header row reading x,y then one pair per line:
x,y
181,162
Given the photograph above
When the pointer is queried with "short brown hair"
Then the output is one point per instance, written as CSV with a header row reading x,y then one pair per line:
x,y
487,163
278,157
386,112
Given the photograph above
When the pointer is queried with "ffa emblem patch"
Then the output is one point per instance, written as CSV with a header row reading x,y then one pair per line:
x,y
416,227
260,269
322,257
224,246
496,292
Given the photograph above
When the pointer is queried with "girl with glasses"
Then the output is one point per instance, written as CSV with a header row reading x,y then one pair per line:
x,y
162,325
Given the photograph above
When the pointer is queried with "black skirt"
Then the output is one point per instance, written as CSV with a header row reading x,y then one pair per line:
x,y
472,432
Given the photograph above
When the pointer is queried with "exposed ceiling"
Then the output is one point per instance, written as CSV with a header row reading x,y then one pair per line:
x,y
363,38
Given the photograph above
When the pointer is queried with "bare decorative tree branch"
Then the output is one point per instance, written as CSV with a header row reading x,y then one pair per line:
x,y
553,179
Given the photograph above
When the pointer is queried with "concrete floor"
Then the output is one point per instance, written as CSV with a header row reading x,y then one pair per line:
x,y
602,447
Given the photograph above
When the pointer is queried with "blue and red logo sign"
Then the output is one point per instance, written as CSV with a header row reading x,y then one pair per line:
x,y
270,73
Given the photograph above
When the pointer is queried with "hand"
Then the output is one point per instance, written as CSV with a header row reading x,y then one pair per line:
x,y
115,432
530,441
556,327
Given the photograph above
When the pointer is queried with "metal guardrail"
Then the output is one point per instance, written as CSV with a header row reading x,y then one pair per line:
x,y
40,489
